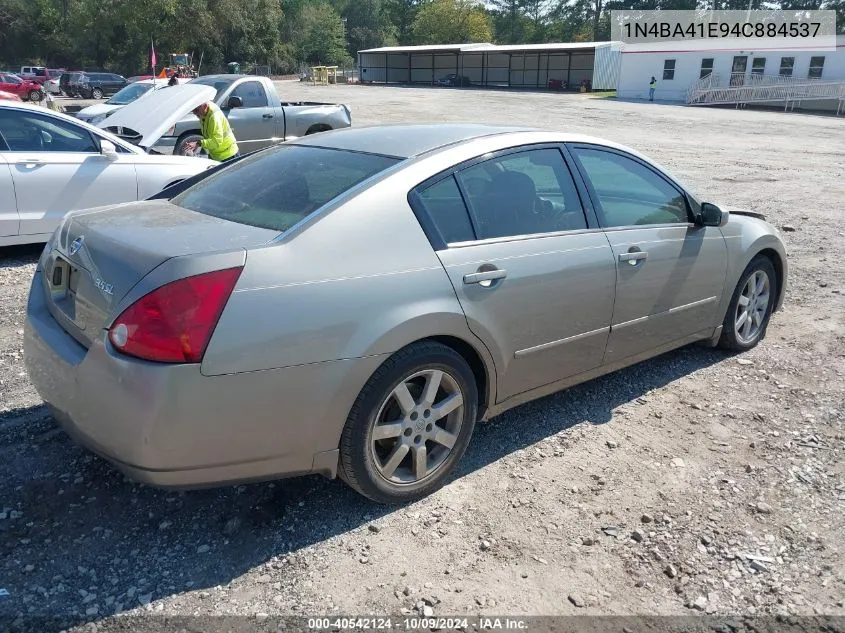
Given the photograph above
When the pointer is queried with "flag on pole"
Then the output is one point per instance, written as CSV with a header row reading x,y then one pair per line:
x,y
152,55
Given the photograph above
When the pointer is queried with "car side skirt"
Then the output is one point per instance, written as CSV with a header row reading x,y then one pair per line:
x,y
546,390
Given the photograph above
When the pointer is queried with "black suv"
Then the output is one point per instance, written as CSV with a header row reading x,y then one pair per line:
x,y
93,85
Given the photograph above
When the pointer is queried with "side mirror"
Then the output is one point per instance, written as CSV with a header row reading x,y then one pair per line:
x,y
108,149
711,215
46,137
235,102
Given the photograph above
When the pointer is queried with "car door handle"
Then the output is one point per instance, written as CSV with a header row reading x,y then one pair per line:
x,y
34,161
266,116
487,275
634,257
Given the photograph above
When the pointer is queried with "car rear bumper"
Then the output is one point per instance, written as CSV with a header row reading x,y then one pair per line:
x,y
171,426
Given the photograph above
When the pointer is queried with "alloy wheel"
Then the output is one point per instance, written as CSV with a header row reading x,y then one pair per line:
x,y
417,426
752,306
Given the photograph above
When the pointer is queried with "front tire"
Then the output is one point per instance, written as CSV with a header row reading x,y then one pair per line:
x,y
410,425
96,93
751,306
182,150
34,95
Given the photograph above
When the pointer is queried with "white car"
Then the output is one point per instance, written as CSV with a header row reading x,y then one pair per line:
x,y
51,86
52,163
98,112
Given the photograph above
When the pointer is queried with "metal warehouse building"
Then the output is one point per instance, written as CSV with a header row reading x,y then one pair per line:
x,y
513,66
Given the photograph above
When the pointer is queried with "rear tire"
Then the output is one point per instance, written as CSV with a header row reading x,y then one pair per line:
x,y
410,425
97,93
751,306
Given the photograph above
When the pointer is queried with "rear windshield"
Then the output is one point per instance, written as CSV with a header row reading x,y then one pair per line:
x,y
277,188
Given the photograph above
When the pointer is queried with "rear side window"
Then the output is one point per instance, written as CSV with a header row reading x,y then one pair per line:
x,y
525,193
277,188
445,206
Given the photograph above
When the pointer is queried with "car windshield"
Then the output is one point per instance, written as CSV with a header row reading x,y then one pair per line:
x,y
40,72
277,188
129,94
220,85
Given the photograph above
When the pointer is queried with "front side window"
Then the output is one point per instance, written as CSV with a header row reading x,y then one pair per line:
x,y
252,93
523,194
630,193
277,188
669,69
11,79
26,131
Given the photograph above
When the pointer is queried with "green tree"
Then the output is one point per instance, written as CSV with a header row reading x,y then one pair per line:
x,y
452,22
368,25
402,15
322,39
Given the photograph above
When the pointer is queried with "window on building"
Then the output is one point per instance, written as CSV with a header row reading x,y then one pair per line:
x,y
816,67
758,65
786,64
706,67
668,69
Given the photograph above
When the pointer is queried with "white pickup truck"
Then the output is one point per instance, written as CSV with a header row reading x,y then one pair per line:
x,y
257,115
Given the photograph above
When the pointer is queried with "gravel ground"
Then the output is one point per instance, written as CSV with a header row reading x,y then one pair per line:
x,y
697,482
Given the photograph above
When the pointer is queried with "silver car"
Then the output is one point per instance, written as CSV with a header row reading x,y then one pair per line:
x,y
353,303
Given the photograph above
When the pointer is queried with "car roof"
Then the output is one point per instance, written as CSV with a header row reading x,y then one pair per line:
x,y
222,76
403,141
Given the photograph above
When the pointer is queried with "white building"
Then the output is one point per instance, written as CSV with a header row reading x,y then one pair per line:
x,y
677,66
517,66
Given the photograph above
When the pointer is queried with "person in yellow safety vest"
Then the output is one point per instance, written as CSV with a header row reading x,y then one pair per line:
x,y
217,136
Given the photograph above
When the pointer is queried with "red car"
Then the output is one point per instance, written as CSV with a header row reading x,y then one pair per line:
x,y
23,88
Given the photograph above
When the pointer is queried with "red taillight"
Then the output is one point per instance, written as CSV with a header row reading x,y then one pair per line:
x,y
173,323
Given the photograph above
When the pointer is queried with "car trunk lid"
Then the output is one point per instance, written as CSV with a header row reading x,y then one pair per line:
x,y
101,254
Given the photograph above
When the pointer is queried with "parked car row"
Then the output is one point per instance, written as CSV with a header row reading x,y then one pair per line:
x,y
24,89
473,268
52,163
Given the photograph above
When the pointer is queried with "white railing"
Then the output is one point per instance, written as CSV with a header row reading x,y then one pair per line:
x,y
741,88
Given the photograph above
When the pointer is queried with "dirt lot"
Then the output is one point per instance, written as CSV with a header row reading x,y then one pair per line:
x,y
698,482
